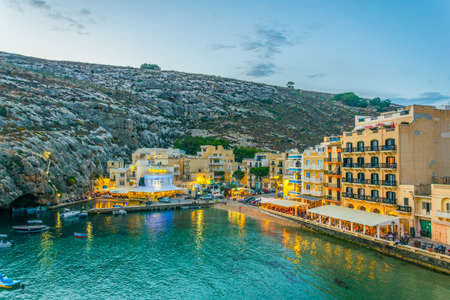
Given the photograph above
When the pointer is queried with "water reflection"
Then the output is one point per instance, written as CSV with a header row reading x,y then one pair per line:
x,y
238,219
46,245
197,220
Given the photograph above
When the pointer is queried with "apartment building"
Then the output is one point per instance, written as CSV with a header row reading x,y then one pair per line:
x,y
313,175
292,181
386,159
332,172
221,162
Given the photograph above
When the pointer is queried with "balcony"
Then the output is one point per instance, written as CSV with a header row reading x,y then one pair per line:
x,y
389,148
331,198
370,149
389,166
382,200
371,166
296,181
404,208
361,181
333,160
388,183
443,214
313,193
332,172
332,185
310,167
312,179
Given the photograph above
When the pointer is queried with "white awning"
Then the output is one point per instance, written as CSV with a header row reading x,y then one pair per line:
x,y
284,203
354,216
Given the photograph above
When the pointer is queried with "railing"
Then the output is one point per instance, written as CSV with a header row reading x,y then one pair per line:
x,y
388,183
332,172
370,166
312,167
312,179
333,160
370,198
404,208
361,181
331,198
370,149
332,185
443,214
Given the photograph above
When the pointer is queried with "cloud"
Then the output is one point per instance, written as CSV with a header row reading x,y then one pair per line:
x,y
64,21
220,46
315,75
430,98
261,70
268,42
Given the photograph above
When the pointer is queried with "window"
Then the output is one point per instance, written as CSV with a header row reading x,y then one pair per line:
x,y
426,206
390,196
389,179
307,175
360,146
374,162
348,162
374,194
374,145
361,193
308,187
122,175
360,162
374,179
361,178
447,207
389,144
349,191
405,201
307,162
320,164
349,177
122,182
390,161
349,147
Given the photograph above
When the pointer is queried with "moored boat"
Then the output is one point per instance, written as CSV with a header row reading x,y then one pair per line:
x,y
5,243
8,283
83,215
120,212
33,226
79,235
70,213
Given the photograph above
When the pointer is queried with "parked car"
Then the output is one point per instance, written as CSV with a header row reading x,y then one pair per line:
x,y
206,197
165,200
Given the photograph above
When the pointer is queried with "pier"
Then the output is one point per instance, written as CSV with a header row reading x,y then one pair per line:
x,y
153,207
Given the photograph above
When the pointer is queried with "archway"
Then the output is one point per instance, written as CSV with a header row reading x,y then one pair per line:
x,y
26,200
376,210
350,206
362,208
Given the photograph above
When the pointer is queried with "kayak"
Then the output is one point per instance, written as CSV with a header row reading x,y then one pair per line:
x,y
79,235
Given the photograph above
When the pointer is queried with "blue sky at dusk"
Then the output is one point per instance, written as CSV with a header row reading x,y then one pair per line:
x,y
391,49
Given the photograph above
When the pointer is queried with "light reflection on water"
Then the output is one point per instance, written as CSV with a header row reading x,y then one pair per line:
x,y
204,254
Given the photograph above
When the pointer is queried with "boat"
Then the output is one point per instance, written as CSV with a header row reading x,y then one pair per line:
x,y
70,213
9,284
4,243
79,235
120,212
33,226
83,215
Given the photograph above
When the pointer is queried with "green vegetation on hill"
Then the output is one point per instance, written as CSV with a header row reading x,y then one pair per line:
x,y
191,144
150,67
351,99
244,152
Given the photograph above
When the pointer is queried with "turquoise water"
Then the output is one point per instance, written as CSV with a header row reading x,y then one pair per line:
x,y
203,254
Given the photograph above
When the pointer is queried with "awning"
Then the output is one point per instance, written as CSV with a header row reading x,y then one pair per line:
x,y
283,203
310,198
354,216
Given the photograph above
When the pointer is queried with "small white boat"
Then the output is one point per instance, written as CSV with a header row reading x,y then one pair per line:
x,y
83,215
5,243
30,228
9,284
120,212
34,222
70,213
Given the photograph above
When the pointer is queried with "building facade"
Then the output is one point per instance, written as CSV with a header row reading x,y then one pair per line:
x,y
313,175
221,162
292,182
332,172
384,155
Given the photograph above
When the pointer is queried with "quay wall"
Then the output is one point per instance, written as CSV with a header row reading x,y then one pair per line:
x,y
435,261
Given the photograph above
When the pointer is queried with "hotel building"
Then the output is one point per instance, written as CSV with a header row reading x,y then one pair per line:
x,y
292,181
221,162
313,175
387,162
332,173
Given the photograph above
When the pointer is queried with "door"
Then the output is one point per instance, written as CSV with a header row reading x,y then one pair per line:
x,y
425,228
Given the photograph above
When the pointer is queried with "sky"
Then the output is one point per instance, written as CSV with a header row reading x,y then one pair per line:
x,y
398,50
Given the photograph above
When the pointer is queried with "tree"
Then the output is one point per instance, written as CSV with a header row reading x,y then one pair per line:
x,y
259,172
238,174
290,84
351,99
191,144
150,67
244,152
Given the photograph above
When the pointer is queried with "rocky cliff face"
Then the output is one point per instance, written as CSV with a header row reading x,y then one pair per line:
x,y
61,121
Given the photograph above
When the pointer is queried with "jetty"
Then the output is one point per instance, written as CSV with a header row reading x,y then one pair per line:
x,y
153,207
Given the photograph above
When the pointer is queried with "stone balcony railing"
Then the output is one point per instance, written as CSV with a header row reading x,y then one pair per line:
x,y
443,214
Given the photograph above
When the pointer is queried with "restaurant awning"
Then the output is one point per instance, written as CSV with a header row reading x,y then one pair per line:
x,y
354,216
283,203
310,198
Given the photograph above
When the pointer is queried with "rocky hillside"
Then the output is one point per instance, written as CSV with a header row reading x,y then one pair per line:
x,y
61,121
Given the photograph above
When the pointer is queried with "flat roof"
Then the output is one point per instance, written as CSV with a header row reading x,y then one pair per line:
x,y
355,216
284,203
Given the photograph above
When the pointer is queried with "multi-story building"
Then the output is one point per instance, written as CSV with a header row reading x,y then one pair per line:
x,y
387,158
274,162
292,182
221,162
332,172
313,175
440,213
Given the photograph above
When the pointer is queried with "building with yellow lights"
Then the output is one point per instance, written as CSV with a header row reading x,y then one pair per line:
x,y
389,162
292,181
275,162
220,161
313,175
332,173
